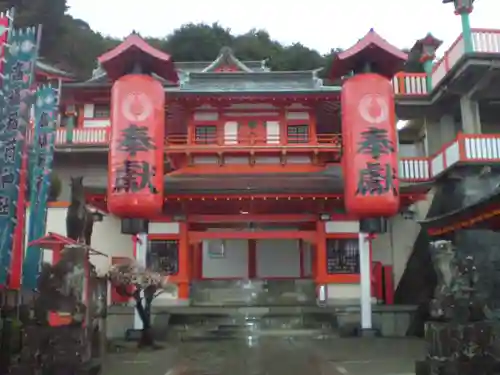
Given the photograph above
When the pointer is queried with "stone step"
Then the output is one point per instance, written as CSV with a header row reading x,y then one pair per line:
x,y
307,321
217,334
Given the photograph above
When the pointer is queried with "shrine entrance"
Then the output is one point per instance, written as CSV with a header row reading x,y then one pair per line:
x,y
261,266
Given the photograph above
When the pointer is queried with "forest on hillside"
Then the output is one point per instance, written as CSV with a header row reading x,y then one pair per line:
x,y
70,44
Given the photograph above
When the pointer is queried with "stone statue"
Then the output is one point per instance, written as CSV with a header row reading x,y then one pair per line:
x,y
79,219
443,257
60,286
460,339
455,298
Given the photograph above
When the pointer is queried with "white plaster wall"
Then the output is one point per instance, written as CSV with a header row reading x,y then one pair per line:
x,y
395,247
342,226
343,293
277,258
88,110
96,123
234,263
94,168
273,132
231,133
106,238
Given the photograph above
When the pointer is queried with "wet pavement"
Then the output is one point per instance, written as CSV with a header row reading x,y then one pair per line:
x,y
273,356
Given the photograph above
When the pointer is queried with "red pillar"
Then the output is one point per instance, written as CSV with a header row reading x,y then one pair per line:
x,y
16,264
252,259
197,261
301,259
321,259
56,253
183,277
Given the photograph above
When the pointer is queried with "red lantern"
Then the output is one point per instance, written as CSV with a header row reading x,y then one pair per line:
x,y
135,164
370,159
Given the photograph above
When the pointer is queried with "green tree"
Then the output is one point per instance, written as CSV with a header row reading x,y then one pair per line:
x,y
71,44
197,42
49,13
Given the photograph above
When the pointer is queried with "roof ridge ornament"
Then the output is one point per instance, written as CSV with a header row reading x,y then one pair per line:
x,y
226,57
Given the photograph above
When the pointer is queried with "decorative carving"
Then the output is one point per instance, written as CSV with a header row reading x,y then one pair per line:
x,y
455,298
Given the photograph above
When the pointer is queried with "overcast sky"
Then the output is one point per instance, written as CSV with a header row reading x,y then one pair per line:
x,y
320,24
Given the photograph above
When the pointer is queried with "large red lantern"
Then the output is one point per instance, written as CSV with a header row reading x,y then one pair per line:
x,y
370,155
135,164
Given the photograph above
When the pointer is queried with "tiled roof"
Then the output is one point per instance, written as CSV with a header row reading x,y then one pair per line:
x,y
199,66
52,69
253,76
252,82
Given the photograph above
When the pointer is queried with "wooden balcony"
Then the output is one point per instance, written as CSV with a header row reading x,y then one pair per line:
x,y
253,143
466,148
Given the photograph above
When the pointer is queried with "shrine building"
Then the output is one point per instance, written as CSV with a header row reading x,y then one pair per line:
x,y
253,182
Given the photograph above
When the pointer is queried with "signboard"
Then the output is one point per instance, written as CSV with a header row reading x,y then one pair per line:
x,y
20,57
42,155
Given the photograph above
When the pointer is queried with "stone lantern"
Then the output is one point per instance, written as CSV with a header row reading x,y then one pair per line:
x,y
463,8
426,49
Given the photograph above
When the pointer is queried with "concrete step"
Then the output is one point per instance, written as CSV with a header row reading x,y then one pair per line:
x,y
266,322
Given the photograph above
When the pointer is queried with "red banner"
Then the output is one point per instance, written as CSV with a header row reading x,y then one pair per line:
x,y
135,170
370,158
4,30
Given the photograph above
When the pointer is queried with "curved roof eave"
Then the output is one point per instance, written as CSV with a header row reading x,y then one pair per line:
x,y
133,40
372,38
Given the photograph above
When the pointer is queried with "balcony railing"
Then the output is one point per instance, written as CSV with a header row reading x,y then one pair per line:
x,y
410,84
80,137
483,41
466,148
229,141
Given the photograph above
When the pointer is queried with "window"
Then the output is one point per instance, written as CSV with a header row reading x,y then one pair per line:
x,y
342,256
163,256
101,111
298,133
205,134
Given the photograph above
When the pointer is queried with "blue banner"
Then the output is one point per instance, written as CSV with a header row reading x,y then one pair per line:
x,y
20,56
42,155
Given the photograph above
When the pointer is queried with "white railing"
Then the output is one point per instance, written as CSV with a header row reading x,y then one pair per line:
x,y
95,136
481,147
410,84
483,41
486,41
414,169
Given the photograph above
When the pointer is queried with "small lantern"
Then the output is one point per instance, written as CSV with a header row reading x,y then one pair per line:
x,y
461,6
428,47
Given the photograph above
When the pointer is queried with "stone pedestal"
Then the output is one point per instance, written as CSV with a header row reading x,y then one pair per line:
x,y
461,349
54,350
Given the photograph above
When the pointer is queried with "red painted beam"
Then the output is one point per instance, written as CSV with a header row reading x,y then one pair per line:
x,y
255,218
282,234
